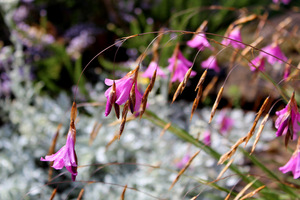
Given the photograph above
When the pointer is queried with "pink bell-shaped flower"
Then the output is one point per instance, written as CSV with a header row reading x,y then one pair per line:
x,y
274,50
178,66
199,41
259,62
235,35
150,70
66,156
293,164
211,63
122,91
288,119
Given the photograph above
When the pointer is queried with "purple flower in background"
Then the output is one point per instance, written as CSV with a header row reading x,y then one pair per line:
x,y
259,62
183,161
79,43
288,119
225,122
178,66
235,35
122,91
207,138
5,84
20,14
274,50
31,36
66,156
283,1
199,41
211,63
150,70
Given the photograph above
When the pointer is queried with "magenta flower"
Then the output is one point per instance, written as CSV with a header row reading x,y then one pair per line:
x,y
183,161
283,1
150,70
122,91
207,138
274,50
288,119
259,62
66,156
178,66
225,122
293,164
211,63
235,35
199,41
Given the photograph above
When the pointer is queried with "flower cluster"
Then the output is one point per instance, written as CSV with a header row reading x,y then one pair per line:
x,y
120,92
273,55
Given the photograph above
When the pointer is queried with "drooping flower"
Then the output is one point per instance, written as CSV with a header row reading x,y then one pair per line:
x,y
211,63
66,156
178,66
274,50
286,2
122,91
288,119
259,62
235,35
150,70
293,164
199,41
207,138
225,122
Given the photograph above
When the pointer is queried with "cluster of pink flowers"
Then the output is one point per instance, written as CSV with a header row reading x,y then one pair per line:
x,y
121,92
282,1
273,55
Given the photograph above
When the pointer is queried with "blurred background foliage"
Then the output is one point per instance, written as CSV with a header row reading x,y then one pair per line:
x,y
105,21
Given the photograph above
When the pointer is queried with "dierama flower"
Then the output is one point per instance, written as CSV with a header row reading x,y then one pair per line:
x,y
211,63
288,119
179,65
66,156
122,91
259,62
293,164
225,122
207,138
286,2
199,41
274,50
183,161
235,35
150,70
